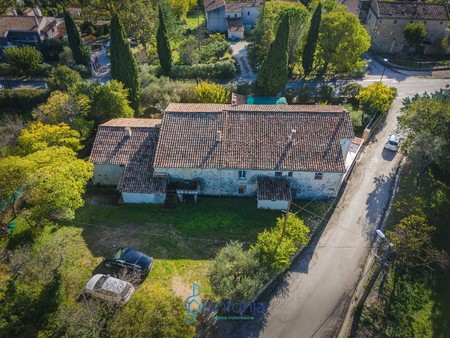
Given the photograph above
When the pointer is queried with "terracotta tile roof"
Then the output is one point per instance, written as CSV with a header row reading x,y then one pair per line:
x,y
235,25
138,178
233,7
127,122
410,10
272,189
18,23
211,5
112,146
253,137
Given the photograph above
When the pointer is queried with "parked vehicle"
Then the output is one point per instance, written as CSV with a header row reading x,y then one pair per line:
x,y
109,289
130,259
392,143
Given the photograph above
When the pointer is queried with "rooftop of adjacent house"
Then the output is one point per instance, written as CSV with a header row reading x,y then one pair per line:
x,y
273,189
233,7
259,137
18,23
211,5
410,10
235,25
126,122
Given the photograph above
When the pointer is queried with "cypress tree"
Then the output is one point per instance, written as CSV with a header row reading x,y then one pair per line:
x,y
163,46
273,73
123,63
75,42
311,41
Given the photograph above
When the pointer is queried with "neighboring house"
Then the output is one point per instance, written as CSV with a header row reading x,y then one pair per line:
x,y
386,21
233,18
29,29
123,154
273,152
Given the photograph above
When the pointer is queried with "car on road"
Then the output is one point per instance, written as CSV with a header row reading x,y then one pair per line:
x,y
130,259
109,289
392,142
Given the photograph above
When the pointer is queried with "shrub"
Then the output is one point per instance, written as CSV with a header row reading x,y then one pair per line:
x,y
376,98
206,92
24,99
236,274
51,48
351,90
220,70
63,78
25,59
325,93
82,70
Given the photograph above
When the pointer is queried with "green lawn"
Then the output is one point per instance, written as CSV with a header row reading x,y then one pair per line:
x,y
194,20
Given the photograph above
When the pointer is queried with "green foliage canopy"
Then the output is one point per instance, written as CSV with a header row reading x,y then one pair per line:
x,y
80,54
63,78
25,59
376,98
414,34
163,45
311,41
207,92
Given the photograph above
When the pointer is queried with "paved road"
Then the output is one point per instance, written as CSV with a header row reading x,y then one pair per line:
x,y
247,75
311,299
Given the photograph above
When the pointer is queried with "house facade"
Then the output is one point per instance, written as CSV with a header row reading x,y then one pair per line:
x,y
232,18
386,21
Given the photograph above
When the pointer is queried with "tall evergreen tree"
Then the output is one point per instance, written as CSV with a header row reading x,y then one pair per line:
x,y
123,63
163,45
311,42
75,42
273,73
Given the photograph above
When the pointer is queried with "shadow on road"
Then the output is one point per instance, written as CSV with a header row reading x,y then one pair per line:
x,y
377,200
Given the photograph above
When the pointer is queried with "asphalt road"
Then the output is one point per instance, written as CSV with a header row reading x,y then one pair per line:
x,y
312,298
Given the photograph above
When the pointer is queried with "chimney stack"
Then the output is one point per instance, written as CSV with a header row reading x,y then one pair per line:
x,y
218,136
13,11
293,134
128,132
37,10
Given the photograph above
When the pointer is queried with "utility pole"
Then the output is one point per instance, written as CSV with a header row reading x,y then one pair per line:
x,y
285,221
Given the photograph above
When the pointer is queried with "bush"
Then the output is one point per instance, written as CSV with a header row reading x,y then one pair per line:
x,y
376,98
26,59
214,50
206,92
351,90
82,70
51,48
224,70
6,70
24,99
63,79
325,93
236,274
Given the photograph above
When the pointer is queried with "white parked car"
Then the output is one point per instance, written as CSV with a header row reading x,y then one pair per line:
x,y
109,289
392,143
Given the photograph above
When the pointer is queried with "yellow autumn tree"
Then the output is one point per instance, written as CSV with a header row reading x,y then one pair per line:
x,y
207,92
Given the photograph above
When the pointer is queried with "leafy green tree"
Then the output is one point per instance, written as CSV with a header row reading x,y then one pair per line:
x,y
151,312
38,136
141,20
342,40
51,48
75,42
123,63
273,73
311,41
425,121
351,90
25,59
72,110
189,54
182,7
63,78
163,45
236,274
277,246
207,92
107,102
376,98
414,34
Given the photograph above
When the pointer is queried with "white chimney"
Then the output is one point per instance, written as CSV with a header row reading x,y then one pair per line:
x,y
293,134
37,11
128,132
13,11
218,136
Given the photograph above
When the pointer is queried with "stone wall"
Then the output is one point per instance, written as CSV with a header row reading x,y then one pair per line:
x,y
106,174
215,21
387,34
226,182
143,198
250,16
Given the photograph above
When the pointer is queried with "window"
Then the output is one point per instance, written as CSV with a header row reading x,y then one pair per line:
x,y
290,174
395,21
318,176
241,174
248,13
424,22
278,173
241,190
235,15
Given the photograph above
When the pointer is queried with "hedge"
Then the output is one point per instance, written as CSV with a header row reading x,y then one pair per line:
x,y
7,70
223,70
23,99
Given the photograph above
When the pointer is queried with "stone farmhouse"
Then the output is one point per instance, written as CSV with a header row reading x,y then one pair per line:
x,y
232,18
386,20
276,153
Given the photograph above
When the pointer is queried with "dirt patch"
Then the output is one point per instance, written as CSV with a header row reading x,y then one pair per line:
x,y
180,288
